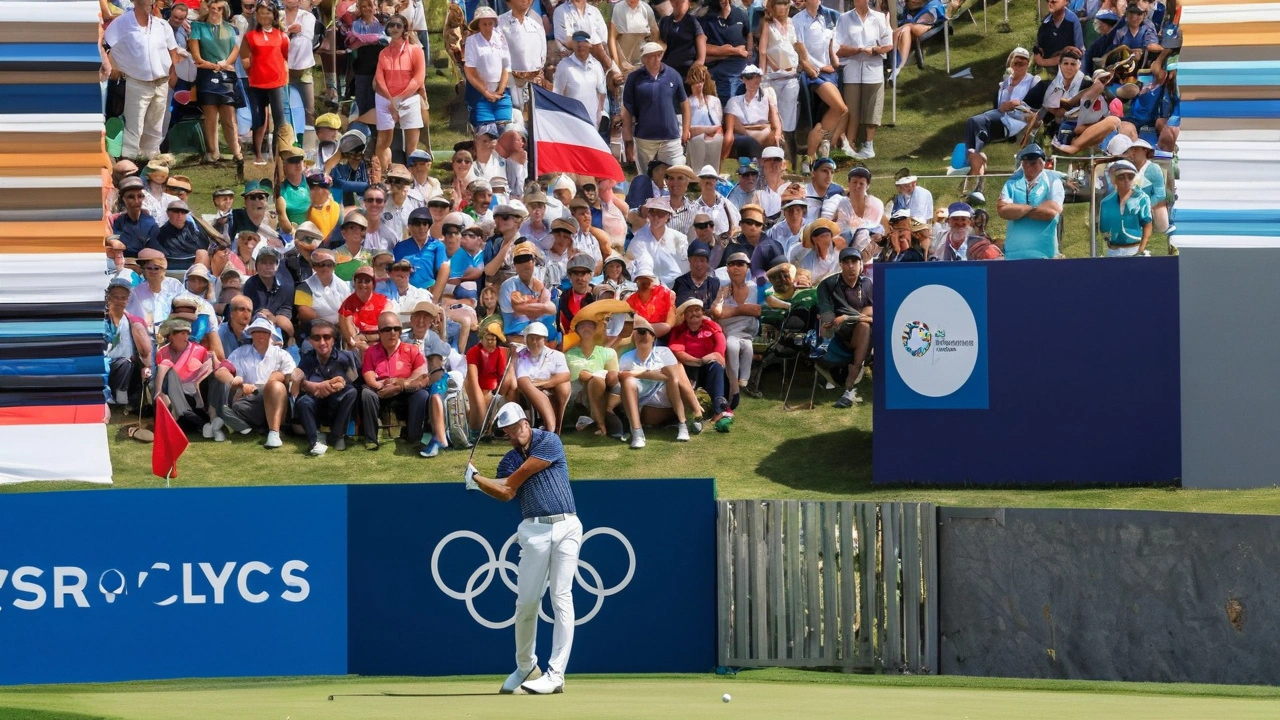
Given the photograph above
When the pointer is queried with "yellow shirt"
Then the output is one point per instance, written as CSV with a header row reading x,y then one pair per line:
x,y
326,218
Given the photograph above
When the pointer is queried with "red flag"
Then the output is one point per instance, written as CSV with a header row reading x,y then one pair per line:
x,y
170,444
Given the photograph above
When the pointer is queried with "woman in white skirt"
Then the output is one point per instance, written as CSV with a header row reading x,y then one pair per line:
x,y
779,61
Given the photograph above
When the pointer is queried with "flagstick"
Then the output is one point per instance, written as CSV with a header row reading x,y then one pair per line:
x,y
531,172
167,476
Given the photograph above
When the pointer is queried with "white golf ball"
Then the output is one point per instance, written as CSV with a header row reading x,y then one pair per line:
x,y
726,697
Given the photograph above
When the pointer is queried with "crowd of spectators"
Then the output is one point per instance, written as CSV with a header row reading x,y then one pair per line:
x,y
354,287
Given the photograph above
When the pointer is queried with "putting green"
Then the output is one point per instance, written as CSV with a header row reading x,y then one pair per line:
x,y
632,697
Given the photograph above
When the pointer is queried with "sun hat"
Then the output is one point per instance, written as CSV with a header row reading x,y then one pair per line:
x,y
524,249
754,210
566,224
484,12
427,307
708,172
659,203
356,217
684,308
918,225
352,140
783,268
806,235
260,323
197,270
682,171
650,48
644,268
173,325
495,329
179,182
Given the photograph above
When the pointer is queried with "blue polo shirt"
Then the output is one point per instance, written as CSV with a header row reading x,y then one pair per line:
x,y
546,492
1028,238
278,298
141,234
1052,39
655,103
731,31
1124,226
426,260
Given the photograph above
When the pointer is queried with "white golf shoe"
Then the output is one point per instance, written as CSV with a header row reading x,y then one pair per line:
x,y
551,682
515,679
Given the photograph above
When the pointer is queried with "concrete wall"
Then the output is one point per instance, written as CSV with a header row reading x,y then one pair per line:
x,y
1230,380
1109,595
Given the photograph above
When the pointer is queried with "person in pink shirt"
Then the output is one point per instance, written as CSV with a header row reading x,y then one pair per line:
x,y
398,82
699,344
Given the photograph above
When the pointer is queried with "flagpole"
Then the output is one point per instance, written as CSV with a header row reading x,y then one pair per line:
x,y
531,172
167,476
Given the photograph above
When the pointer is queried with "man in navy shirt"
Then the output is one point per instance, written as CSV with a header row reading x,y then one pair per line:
x,y
651,98
135,228
272,291
1059,31
535,473
726,27
324,388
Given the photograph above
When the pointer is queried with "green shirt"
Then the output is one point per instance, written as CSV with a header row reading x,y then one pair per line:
x,y
297,201
216,42
602,359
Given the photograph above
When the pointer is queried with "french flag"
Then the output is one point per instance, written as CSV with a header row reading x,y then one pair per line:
x,y
565,140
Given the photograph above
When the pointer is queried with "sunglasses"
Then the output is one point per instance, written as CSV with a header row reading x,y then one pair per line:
x,y
396,328
703,225
155,268
418,223
643,331
752,223
318,338
256,196
323,265
738,262
374,201
558,231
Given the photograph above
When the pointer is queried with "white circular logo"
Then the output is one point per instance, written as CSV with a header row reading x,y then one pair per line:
x,y
500,565
934,340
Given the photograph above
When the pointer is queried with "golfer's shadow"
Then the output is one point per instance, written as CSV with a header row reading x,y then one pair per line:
x,y
417,695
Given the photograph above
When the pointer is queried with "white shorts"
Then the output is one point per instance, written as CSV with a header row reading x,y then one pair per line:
x,y
1126,251
655,397
410,110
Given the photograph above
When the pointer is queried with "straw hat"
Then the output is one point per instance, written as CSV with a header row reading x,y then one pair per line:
x,y
806,236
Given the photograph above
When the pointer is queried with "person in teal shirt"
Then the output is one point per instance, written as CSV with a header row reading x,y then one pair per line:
x,y
1125,215
1032,204
295,196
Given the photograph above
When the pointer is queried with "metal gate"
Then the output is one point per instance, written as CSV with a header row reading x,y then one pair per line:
x,y
845,585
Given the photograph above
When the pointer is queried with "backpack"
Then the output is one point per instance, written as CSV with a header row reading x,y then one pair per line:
x,y
457,427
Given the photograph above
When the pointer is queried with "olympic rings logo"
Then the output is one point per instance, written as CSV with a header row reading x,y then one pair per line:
x,y
499,565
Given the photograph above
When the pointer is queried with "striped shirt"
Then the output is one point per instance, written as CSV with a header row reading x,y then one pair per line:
x,y
546,492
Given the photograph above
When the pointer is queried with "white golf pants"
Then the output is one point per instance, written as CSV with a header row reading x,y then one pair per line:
x,y
548,555
146,106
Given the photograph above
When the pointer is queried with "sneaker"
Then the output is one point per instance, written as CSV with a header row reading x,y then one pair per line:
x,y
847,148
695,426
340,443
515,679
682,433
430,450
725,421
824,148
371,445
273,440
805,168
637,439
318,449
583,423
207,431
219,436
550,682
848,399
867,152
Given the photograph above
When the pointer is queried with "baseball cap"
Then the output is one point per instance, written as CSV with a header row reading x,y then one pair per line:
x,y
748,167
900,214
860,171
146,255
824,161
418,156
578,203
918,225
364,270
581,261
651,47
773,152
523,249
509,415
319,180
119,282
1107,16
457,219
848,253
738,257
959,209
198,270
224,192
798,202
266,251
322,256
697,248
133,182
750,70
513,208
439,200
1032,150
355,217
565,223
581,35
489,129
904,176
535,328
479,186
329,120
1122,166
179,206
419,214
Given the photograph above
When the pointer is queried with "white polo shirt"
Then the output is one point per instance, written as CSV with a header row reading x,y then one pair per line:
x,y
722,212
567,20
853,31
540,367
256,369
582,81
751,111
816,36
301,56
488,57
325,301
140,52
526,41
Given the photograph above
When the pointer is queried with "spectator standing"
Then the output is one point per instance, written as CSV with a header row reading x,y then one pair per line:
x,y
915,19
780,63
1007,119
145,53
684,37
214,46
631,25
1058,31
581,77
726,29
1031,202
1124,216
258,396
862,39
488,70
844,303
265,54
1150,180
300,26
652,100
398,84
365,41
522,30
324,389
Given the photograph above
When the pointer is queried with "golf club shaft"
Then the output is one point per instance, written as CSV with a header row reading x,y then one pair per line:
x,y
493,404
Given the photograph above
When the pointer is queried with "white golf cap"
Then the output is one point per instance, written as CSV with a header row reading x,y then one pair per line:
x,y
1119,145
509,415
564,182
708,172
651,47
751,70
1121,167
773,152
535,328
1140,143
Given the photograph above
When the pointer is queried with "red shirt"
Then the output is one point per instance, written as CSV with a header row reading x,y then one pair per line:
x,y
661,300
268,58
708,339
403,361
489,364
364,315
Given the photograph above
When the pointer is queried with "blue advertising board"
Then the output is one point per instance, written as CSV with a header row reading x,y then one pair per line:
x,y
1075,377
132,584
433,578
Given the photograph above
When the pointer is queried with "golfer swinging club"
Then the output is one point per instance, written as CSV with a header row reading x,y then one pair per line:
x,y
535,472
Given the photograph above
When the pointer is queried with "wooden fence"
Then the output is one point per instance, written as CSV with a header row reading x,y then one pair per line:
x,y
845,585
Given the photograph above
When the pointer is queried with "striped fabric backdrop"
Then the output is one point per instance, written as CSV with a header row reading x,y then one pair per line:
x,y
1229,149
52,265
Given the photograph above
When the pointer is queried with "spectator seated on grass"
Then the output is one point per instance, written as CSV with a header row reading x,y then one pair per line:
x,y
542,377
184,376
698,343
134,227
359,313
1031,202
654,388
844,303
1124,215
1137,33
1151,178
652,301
1058,31
128,347
426,331
593,372
735,309
1008,118
487,379
257,397
1156,110
324,388
395,375
151,299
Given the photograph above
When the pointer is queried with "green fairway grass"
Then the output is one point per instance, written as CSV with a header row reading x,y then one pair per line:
x,y
756,694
